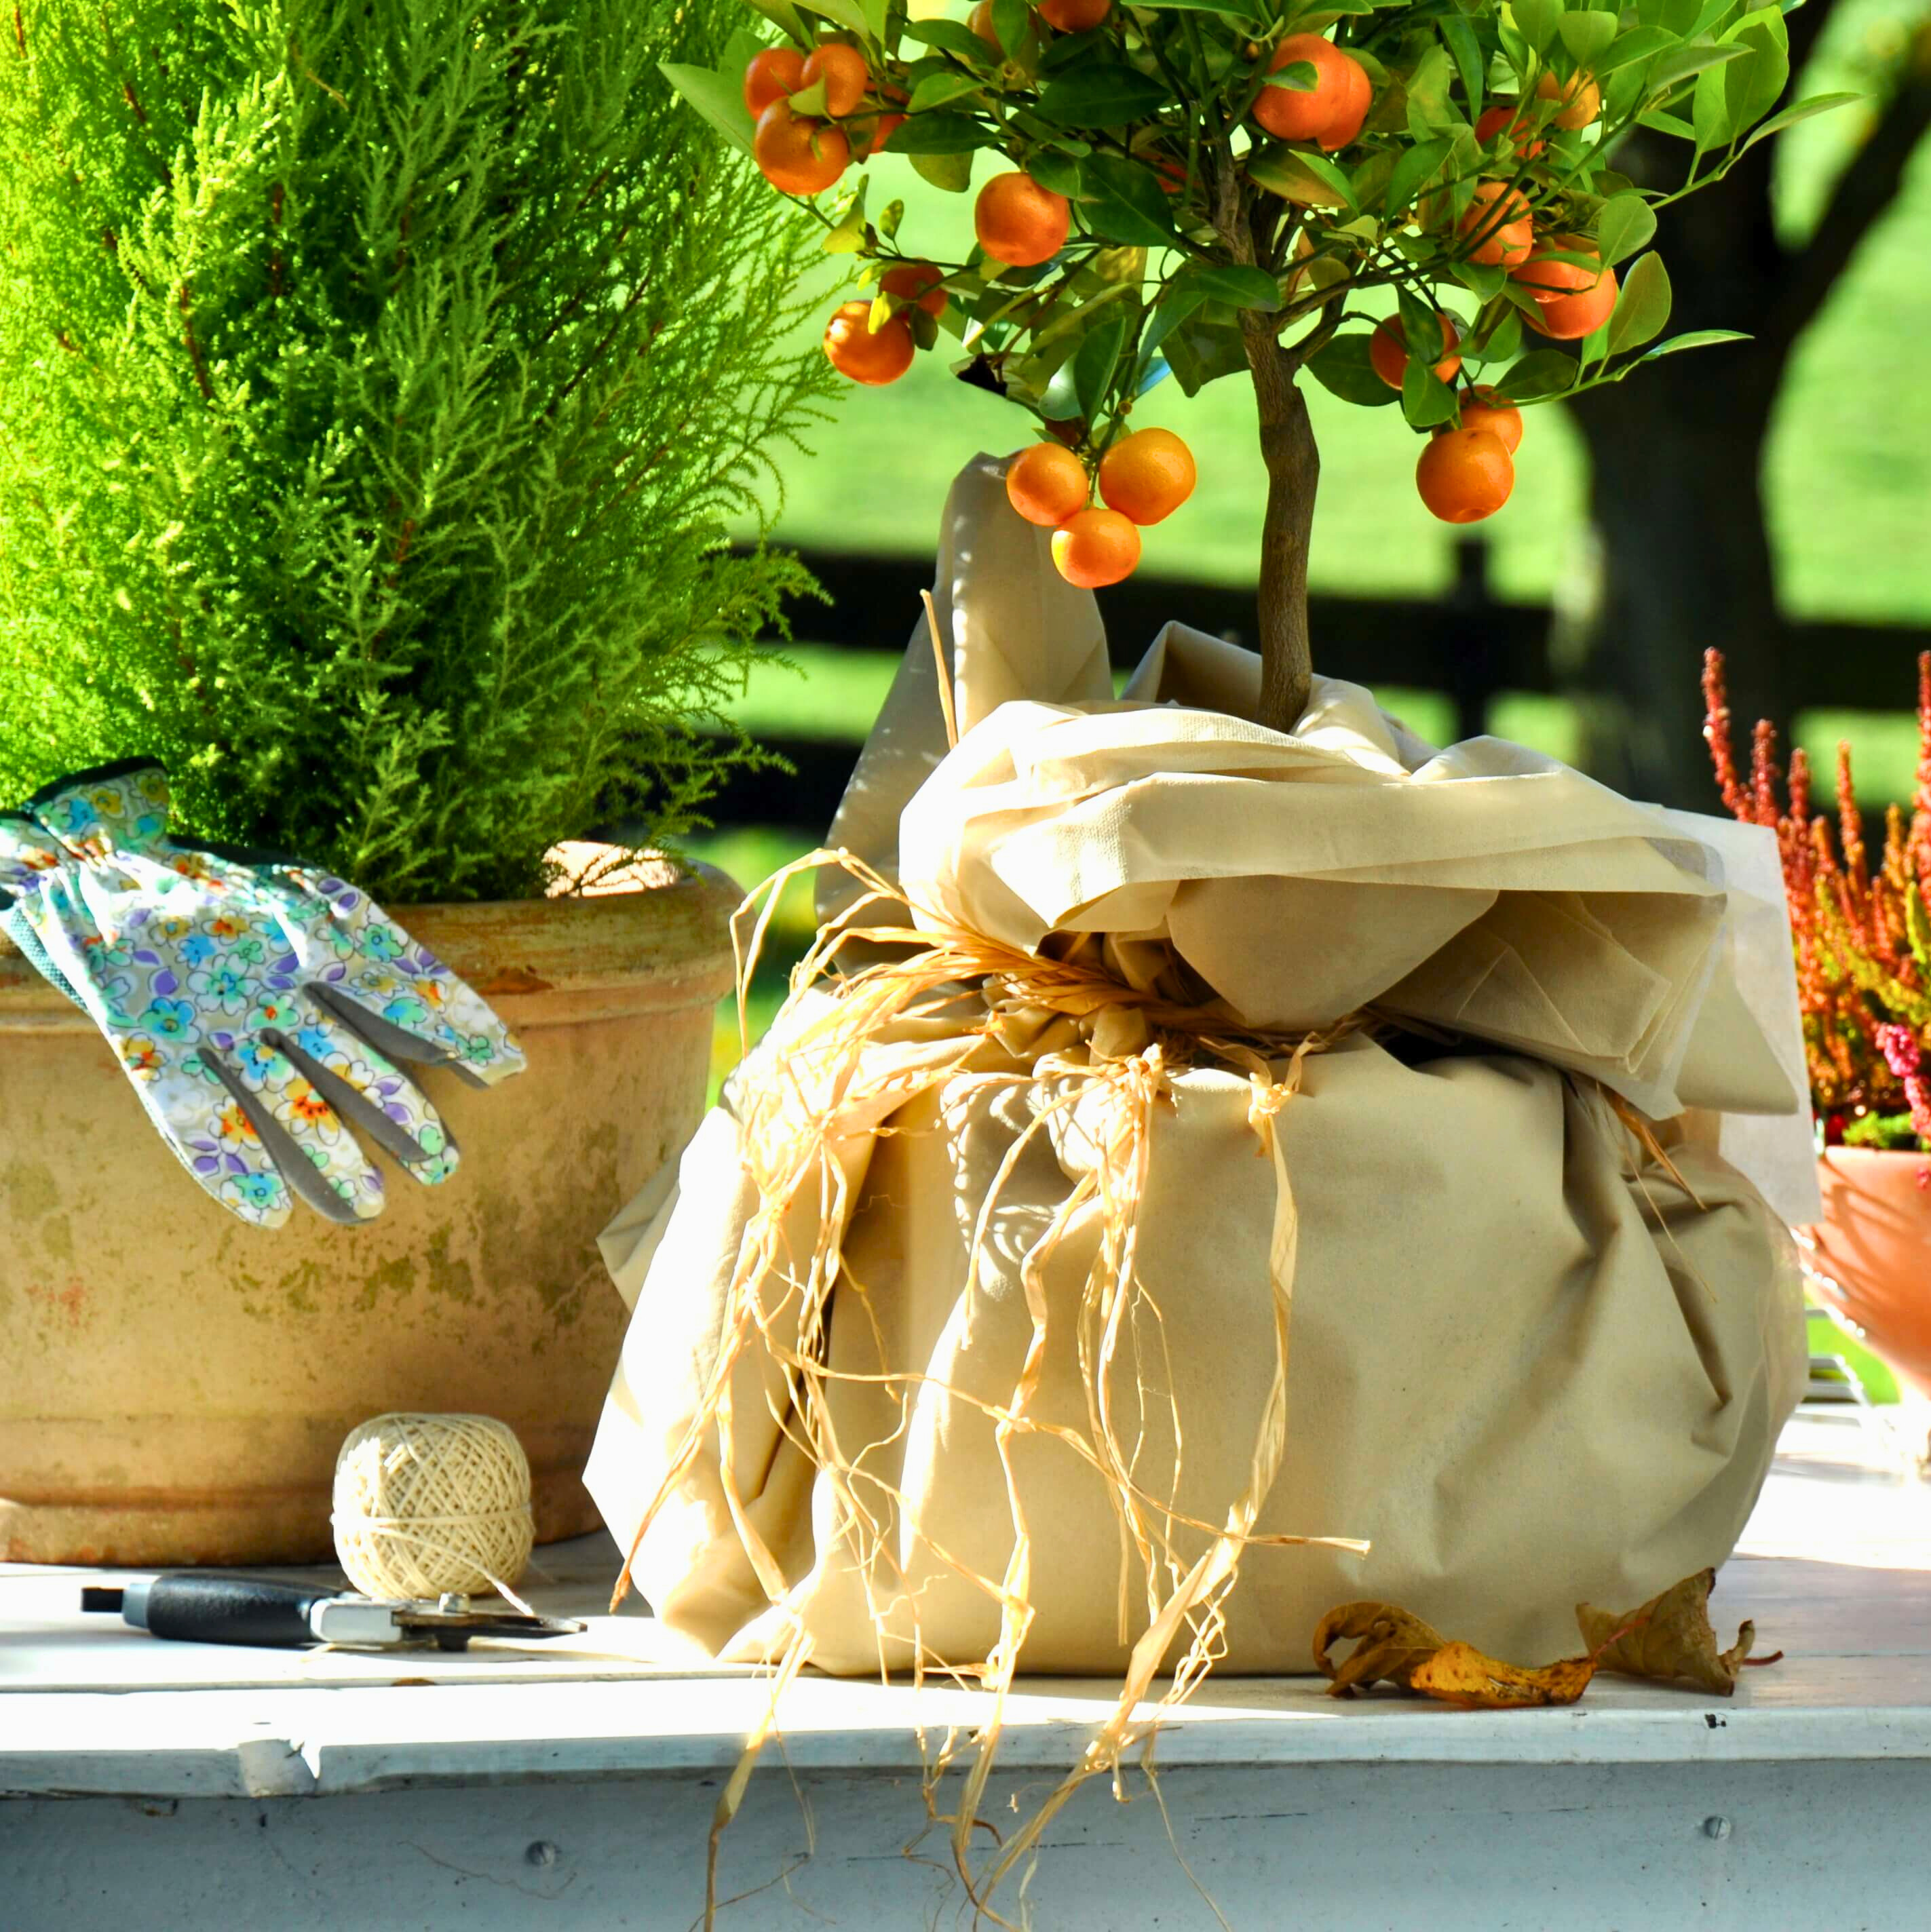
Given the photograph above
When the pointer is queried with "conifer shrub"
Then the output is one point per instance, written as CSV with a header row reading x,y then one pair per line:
x,y
376,383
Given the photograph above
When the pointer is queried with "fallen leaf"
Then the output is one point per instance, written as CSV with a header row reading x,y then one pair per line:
x,y
1671,1637
1393,1645
1458,1673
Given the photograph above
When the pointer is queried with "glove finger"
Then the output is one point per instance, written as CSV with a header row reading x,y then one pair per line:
x,y
298,1133
210,1135
371,1094
385,971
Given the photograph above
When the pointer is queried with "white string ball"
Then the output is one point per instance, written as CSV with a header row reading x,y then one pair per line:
x,y
428,1505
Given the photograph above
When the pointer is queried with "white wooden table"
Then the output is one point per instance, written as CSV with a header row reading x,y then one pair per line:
x,y
153,1785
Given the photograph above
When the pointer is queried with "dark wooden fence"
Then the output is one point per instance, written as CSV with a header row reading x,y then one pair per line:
x,y
1467,644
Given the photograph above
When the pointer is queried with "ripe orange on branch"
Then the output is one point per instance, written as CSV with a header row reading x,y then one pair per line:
x,y
1465,475
1019,223
872,356
845,75
796,155
1075,16
1094,547
772,75
1147,476
1546,279
1521,130
1568,318
1297,116
1488,408
917,282
1500,214
1581,99
1046,484
1388,351
1346,126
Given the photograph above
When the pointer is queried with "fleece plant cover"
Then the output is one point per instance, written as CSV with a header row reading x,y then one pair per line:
x,y
1205,1152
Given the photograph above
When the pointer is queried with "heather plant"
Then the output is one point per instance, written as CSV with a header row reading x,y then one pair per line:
x,y
376,386
1862,933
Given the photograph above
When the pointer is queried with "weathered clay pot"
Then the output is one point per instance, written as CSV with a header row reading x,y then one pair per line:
x,y
174,1384
1872,1252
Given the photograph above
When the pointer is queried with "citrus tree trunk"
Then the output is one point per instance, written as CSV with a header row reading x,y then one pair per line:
x,y
1293,474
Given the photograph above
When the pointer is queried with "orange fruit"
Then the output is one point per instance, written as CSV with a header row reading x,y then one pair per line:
x,y
980,21
1353,111
1569,318
1147,476
1094,547
913,282
1046,483
1075,16
1465,475
870,134
1304,117
1546,279
1522,133
1581,99
845,75
1500,214
772,75
1019,223
1388,351
796,155
1484,408
874,357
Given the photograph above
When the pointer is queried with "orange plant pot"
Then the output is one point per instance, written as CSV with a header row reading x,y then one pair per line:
x,y
1873,1256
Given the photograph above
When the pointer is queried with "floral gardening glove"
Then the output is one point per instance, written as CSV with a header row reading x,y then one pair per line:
x,y
257,1007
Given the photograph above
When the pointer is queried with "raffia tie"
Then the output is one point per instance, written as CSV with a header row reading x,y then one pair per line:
x,y
427,1505
813,1080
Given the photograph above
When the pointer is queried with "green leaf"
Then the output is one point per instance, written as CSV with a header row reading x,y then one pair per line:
x,y
809,102
1093,364
1643,307
1343,370
1428,88
1202,350
1542,372
1709,114
938,134
1297,76
1755,86
1103,97
936,89
888,222
1639,44
1587,35
846,13
1058,171
720,99
1697,338
1179,299
1801,110
1625,224
1301,175
1679,66
1503,339
877,18
1421,327
1412,170
1480,279
847,234
1426,399
1537,21
952,37
1469,61
1124,202
1667,123
1238,287
952,173
788,18
1012,24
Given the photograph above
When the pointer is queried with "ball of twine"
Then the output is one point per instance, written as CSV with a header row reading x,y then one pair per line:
x,y
425,1505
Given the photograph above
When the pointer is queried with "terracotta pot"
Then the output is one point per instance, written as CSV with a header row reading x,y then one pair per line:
x,y
1873,1256
174,1383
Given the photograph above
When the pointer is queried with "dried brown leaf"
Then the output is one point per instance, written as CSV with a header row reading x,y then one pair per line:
x,y
1671,1637
1393,1645
1459,1674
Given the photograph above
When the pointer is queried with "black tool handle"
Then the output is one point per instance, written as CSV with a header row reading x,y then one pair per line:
x,y
226,1609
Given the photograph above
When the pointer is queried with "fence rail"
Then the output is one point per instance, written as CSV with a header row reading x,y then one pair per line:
x,y
1467,644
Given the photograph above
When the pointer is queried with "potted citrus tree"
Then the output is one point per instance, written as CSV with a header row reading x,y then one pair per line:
x,y
1418,207
375,387
1863,977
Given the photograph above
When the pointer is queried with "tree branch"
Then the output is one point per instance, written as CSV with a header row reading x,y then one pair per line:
x,y
1864,191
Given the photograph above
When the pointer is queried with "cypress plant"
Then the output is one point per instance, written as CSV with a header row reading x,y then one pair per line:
x,y
377,378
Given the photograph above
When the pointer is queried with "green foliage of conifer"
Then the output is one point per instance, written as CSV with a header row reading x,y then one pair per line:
x,y
376,382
